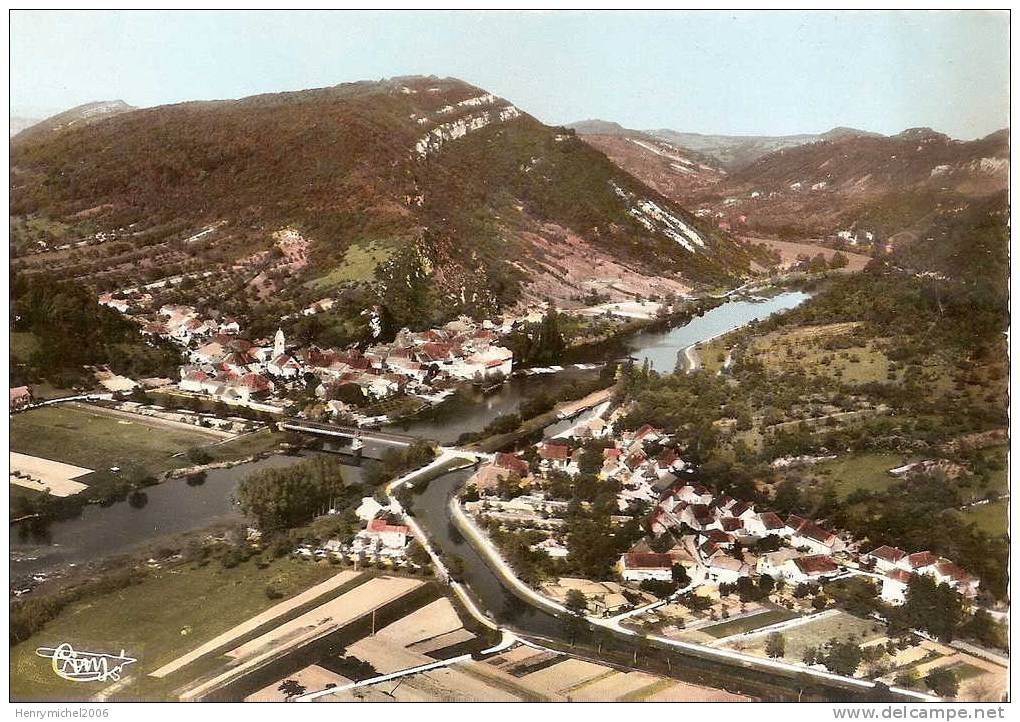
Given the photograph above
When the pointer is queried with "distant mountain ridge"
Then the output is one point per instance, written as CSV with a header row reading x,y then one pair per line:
x,y
79,115
439,195
815,185
728,151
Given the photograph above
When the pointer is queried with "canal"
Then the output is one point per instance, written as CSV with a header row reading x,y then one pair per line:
x,y
175,507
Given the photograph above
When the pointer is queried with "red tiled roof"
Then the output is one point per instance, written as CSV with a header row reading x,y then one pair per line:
x,y
644,431
817,564
771,520
647,560
257,382
719,536
381,525
921,559
732,524
702,513
795,522
511,462
739,508
887,553
900,575
948,569
554,452
435,351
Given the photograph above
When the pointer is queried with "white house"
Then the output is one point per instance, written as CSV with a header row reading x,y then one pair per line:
x,y
393,536
885,558
694,494
773,563
724,569
894,586
805,533
809,568
552,547
642,566
701,517
284,366
766,524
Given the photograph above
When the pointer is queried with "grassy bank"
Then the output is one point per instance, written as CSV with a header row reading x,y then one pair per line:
x,y
169,612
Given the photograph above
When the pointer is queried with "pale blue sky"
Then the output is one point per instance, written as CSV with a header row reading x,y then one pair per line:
x,y
719,72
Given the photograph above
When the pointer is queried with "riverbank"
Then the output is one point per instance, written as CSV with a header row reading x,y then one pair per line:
x,y
536,424
492,557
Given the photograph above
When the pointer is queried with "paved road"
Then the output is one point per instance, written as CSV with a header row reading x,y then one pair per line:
x,y
509,578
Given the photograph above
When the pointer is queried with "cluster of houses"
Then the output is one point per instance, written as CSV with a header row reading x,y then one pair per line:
x,y
897,568
383,539
712,533
710,536
230,368
642,461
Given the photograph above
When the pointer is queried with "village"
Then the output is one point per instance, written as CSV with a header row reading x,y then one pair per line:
x,y
421,368
705,568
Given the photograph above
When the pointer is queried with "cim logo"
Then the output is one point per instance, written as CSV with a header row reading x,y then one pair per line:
x,y
76,666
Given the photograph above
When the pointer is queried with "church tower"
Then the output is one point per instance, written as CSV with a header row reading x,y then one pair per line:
x,y
278,343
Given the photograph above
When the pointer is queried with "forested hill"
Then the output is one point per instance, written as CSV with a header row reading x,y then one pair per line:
x,y
58,328
454,194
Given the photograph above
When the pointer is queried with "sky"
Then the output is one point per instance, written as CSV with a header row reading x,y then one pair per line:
x,y
770,73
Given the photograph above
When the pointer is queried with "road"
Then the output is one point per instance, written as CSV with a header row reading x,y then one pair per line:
x,y
509,579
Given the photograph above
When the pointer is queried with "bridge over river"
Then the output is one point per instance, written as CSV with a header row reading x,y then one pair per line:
x,y
338,431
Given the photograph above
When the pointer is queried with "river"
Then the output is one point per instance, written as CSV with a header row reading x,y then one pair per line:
x,y
175,507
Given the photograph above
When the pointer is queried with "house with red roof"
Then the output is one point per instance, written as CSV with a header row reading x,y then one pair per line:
x,y
701,517
512,462
918,562
805,533
554,456
894,585
810,568
642,566
885,558
21,396
724,569
765,524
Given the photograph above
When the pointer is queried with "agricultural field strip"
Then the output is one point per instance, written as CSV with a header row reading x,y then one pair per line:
x,y
257,621
334,613
307,627
47,474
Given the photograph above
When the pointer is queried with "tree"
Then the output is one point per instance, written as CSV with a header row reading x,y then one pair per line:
x,y
576,602
286,498
775,646
838,260
842,657
942,681
680,576
416,554
198,455
907,679
931,607
291,688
